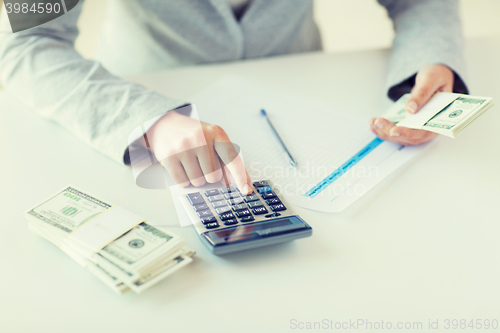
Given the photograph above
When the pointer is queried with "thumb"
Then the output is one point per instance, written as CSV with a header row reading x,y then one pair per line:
x,y
425,86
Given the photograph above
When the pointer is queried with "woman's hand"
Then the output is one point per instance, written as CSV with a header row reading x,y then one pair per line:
x,y
429,80
190,150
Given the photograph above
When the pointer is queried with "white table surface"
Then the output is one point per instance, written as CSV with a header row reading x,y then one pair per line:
x,y
423,245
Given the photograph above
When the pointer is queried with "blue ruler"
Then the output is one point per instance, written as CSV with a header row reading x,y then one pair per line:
x,y
318,188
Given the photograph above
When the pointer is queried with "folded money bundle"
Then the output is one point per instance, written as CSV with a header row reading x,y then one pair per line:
x,y
446,113
117,246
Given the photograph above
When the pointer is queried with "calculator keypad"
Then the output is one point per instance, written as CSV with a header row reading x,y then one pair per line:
x,y
214,198
268,195
251,197
231,206
243,213
273,201
210,219
259,210
254,204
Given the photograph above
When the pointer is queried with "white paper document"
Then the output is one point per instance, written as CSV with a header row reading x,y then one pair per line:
x,y
339,159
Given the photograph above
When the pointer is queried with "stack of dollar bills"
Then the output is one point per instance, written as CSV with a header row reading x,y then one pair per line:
x,y
446,113
134,260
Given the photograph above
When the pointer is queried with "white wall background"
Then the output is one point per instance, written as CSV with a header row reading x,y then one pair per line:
x,y
346,25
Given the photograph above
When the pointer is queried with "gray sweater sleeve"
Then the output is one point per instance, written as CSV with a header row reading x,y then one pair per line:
x,y
41,68
427,32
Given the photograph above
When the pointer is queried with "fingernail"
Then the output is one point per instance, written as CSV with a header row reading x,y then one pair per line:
x,y
378,123
395,134
412,106
246,189
373,127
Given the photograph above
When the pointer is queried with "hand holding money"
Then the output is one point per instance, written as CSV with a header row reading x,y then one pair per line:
x,y
446,114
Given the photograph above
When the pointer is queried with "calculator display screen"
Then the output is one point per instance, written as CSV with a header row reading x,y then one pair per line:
x,y
250,231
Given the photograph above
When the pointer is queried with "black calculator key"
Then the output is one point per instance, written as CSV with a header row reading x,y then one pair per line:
x,y
212,225
231,195
222,210
195,198
231,222
228,189
209,219
214,198
278,207
226,216
259,210
264,189
239,207
261,183
247,219
205,213
268,195
254,204
273,201
236,201
243,213
209,193
218,204
198,208
251,197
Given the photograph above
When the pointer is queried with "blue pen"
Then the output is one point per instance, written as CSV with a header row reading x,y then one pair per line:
x,y
292,160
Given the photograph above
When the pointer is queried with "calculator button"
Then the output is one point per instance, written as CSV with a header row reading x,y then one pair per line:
x,y
209,193
214,198
254,204
226,216
205,213
222,210
231,196
259,210
275,214
228,189
209,219
261,183
242,213
218,204
239,207
273,201
212,225
264,189
247,219
268,195
231,222
195,198
236,201
251,197
198,208
278,207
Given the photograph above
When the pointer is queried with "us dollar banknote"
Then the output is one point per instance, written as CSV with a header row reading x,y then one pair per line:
x,y
446,113
135,260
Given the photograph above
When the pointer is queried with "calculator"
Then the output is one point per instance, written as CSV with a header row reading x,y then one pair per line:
x,y
229,221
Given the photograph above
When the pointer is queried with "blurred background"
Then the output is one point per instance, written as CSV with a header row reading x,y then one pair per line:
x,y
346,25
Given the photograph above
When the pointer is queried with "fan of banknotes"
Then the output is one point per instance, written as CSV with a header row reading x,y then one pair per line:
x,y
134,260
446,113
